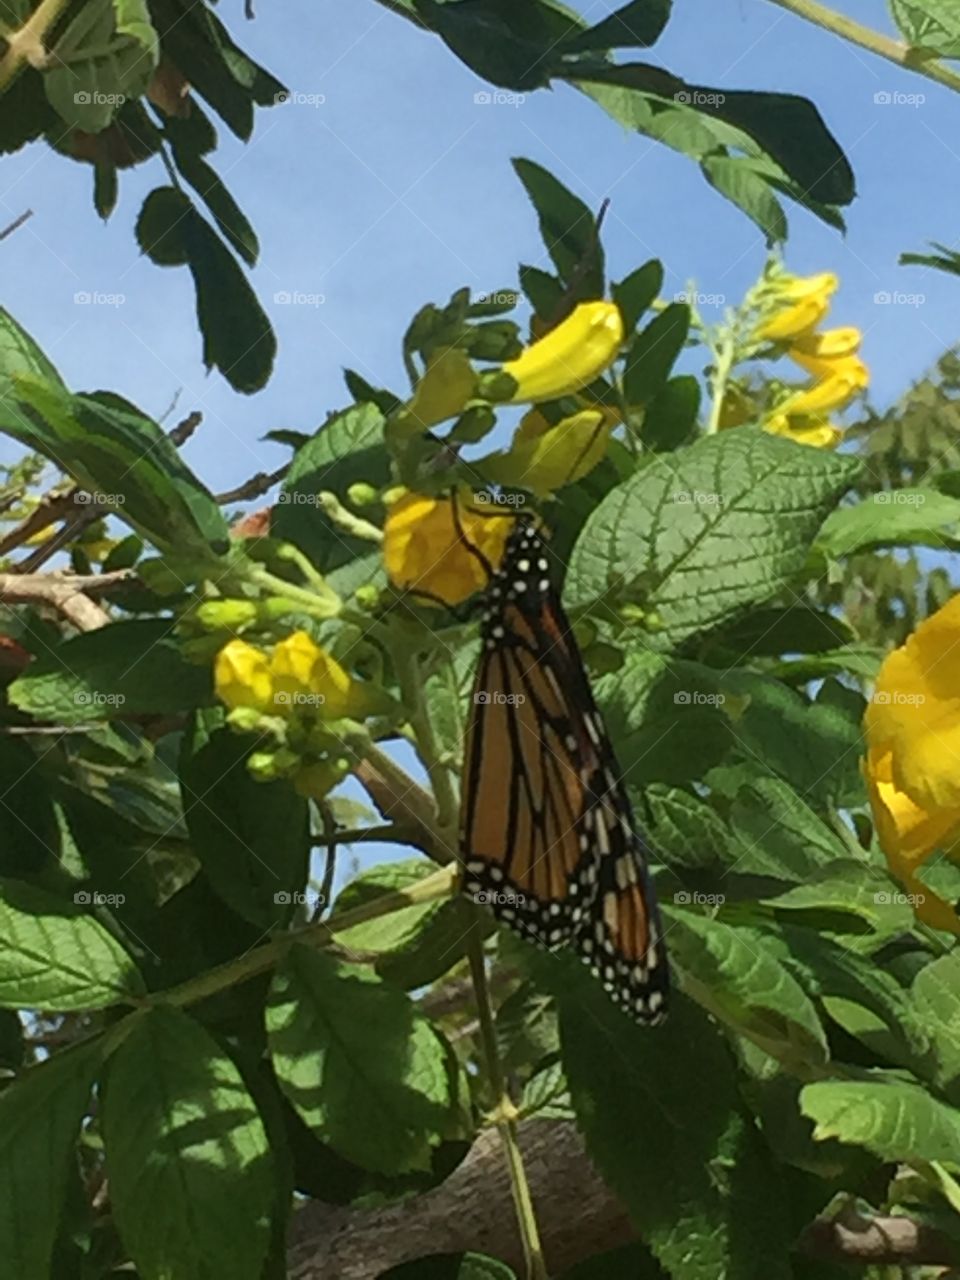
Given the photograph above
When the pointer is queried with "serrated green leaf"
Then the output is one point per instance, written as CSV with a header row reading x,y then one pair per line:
x,y
365,1070
848,898
416,945
732,974
936,993
697,538
932,25
124,669
686,831
894,1119
188,1159
55,956
40,1117
778,834
348,448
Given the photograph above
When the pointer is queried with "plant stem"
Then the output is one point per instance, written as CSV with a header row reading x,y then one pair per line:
x,y
441,884
26,45
505,1113
723,360
895,51
309,601
411,690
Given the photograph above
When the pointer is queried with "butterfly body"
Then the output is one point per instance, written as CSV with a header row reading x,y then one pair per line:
x,y
548,836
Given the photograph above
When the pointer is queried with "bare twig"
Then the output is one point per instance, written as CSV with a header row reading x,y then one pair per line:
x,y
17,222
53,506
69,594
255,487
182,432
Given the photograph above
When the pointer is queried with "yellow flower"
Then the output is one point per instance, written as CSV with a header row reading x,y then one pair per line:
x,y
844,380
806,301
570,356
241,677
306,675
424,551
559,456
832,344
812,430
912,728
443,391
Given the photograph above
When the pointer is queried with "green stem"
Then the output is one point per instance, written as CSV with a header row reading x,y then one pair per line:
x,y
322,605
505,1113
724,357
428,750
895,51
441,884
26,45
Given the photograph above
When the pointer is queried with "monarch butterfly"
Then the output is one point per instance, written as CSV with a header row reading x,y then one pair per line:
x,y
547,831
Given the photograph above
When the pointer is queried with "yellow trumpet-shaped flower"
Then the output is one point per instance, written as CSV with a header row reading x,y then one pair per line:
x,y
912,728
559,456
570,356
803,302
425,551
241,677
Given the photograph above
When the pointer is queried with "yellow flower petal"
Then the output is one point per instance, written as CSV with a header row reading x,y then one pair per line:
x,y
424,551
241,677
832,392
831,344
560,456
805,299
814,431
570,356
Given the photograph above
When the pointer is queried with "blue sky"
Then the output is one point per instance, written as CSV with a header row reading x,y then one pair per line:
x,y
398,189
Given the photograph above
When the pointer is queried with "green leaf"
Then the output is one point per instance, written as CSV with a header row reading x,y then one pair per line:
x,y
55,956
936,994
894,1119
252,838
237,337
187,1156
686,830
671,419
415,945
698,539
125,462
793,628
105,56
778,834
364,1069
31,833
736,178
932,25
568,228
653,352
901,517
637,292
639,23
732,974
630,1260
848,898
229,217
20,354
124,669
544,292
508,44
348,448
945,259
710,1204
40,1117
